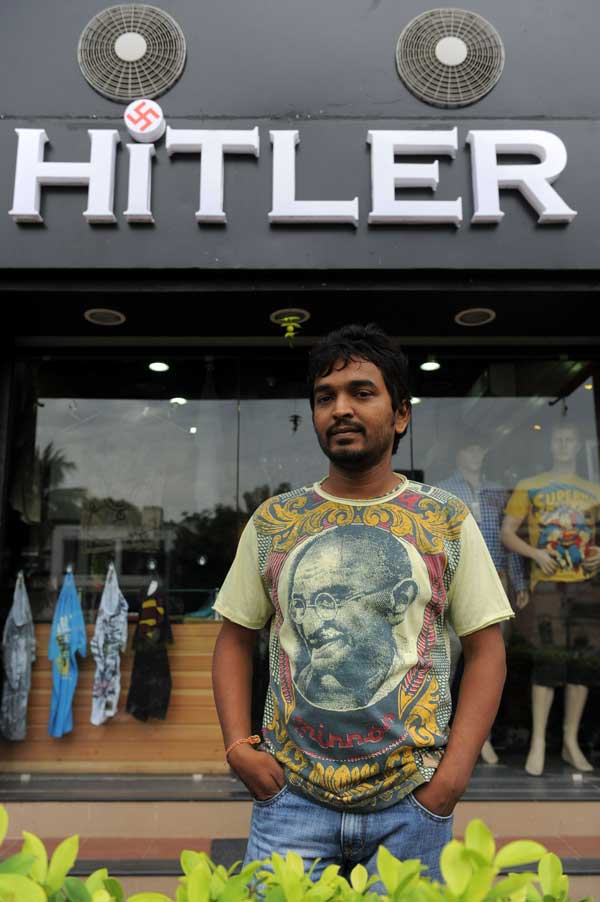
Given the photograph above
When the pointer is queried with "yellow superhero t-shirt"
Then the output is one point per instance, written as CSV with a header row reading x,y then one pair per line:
x,y
560,513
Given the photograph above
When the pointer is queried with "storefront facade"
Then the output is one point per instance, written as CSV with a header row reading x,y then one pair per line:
x,y
417,215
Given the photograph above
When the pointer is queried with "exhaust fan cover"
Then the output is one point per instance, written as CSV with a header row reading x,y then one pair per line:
x,y
449,57
132,51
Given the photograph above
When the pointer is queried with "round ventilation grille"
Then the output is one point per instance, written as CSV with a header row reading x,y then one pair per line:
x,y
475,316
133,51
103,316
449,57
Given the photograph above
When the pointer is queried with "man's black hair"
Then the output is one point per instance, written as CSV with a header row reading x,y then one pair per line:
x,y
363,342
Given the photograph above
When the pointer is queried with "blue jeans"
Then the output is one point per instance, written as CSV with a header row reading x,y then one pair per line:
x,y
291,822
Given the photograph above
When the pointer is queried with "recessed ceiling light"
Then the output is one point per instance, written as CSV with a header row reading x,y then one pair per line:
x,y
103,316
414,401
537,427
158,366
475,316
179,401
193,430
589,386
430,365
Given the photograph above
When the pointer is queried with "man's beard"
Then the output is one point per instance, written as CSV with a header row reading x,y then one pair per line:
x,y
349,458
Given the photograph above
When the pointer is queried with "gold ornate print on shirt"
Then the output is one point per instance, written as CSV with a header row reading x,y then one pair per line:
x,y
427,523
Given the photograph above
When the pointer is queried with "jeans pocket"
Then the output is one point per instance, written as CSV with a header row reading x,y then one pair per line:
x,y
442,818
263,803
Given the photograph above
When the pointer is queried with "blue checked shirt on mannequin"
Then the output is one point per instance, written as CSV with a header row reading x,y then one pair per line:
x,y
487,505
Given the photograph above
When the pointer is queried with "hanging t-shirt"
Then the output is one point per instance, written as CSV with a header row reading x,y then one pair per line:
x,y
358,595
561,514
110,639
67,638
150,688
18,654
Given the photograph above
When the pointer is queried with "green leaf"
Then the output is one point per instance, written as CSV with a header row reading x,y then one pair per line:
x,y
181,894
311,869
198,884
234,867
21,863
115,889
389,869
96,880
76,891
22,888
455,867
3,823
480,839
234,890
532,894
295,864
149,897
511,884
101,895
521,851
250,870
33,845
358,878
61,862
191,860
550,873
481,883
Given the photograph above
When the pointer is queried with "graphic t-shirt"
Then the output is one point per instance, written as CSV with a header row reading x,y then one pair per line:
x,y
358,595
561,516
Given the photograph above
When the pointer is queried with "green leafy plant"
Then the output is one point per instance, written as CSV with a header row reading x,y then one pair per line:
x,y
472,871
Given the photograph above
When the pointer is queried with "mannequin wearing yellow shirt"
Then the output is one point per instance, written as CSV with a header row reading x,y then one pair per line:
x,y
560,509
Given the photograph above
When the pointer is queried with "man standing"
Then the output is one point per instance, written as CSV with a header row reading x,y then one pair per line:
x,y
357,576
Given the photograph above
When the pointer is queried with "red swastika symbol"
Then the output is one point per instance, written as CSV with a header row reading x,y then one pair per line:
x,y
144,114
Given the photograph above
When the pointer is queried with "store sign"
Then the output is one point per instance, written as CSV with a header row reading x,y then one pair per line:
x,y
389,175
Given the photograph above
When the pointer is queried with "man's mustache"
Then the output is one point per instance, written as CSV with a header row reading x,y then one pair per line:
x,y
346,427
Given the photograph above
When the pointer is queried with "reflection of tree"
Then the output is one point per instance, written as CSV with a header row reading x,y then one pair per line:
x,y
205,544
52,467
255,497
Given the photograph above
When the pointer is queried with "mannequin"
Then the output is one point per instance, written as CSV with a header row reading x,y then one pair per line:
x,y
486,501
559,507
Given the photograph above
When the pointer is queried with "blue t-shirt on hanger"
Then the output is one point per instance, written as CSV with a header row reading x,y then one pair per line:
x,y
67,637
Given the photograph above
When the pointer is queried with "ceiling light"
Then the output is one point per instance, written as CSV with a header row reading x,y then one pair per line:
x,y
158,366
103,316
475,316
537,427
193,430
589,386
430,365
180,401
290,319
414,401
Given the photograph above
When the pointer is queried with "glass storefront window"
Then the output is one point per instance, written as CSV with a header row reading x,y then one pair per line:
x,y
160,472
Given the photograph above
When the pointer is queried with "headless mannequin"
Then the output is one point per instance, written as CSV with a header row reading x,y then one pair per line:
x,y
469,461
564,446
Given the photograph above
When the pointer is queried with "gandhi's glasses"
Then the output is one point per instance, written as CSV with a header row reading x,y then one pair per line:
x,y
325,604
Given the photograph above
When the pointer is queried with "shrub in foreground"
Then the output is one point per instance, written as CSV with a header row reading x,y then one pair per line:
x,y
473,871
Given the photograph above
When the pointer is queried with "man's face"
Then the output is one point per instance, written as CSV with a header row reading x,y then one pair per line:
x,y
565,445
471,457
353,415
346,594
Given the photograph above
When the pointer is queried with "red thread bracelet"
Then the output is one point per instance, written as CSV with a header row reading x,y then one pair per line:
x,y
251,740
